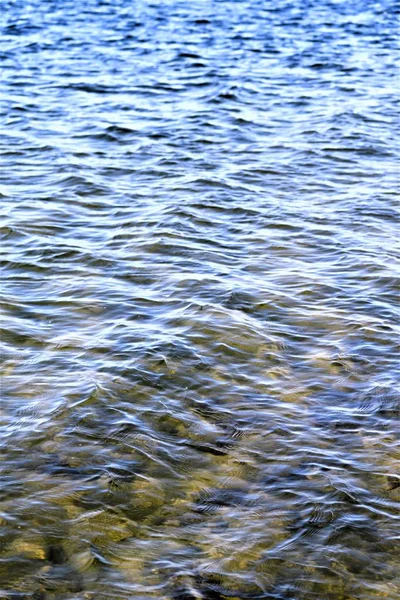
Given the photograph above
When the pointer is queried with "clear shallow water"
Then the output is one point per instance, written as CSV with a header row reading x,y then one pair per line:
x,y
200,300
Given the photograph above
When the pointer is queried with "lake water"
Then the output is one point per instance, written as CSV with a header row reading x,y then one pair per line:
x,y
200,300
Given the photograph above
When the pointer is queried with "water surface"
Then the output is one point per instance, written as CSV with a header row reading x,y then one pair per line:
x,y
200,296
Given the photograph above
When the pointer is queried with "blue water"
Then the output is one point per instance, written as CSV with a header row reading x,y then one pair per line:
x,y
200,288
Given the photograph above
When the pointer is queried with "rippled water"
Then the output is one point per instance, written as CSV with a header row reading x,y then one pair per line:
x,y
200,290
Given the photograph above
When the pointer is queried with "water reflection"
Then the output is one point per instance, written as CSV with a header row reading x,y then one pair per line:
x,y
200,346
